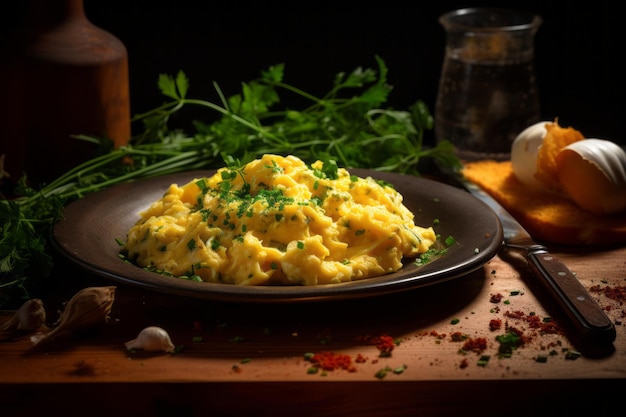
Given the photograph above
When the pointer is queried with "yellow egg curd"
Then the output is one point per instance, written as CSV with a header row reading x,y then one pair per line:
x,y
276,221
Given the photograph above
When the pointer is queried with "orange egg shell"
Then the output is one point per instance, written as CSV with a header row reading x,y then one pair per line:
x,y
556,138
587,185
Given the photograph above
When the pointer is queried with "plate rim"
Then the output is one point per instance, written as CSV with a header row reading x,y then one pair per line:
x,y
66,238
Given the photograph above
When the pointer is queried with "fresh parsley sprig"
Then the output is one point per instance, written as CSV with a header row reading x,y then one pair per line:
x,y
348,125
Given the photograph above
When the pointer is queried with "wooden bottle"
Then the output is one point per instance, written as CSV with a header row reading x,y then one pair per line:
x,y
65,76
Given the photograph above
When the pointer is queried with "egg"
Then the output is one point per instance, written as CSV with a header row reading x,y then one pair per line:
x,y
524,152
593,173
277,221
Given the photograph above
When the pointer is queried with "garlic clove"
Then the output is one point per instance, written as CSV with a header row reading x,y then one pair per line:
x,y
88,307
524,154
29,317
593,173
152,339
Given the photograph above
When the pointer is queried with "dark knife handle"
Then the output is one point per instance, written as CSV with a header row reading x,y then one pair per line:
x,y
583,310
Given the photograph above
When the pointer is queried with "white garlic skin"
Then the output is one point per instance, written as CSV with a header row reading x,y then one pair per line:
x,y
603,192
31,315
524,154
152,339
89,307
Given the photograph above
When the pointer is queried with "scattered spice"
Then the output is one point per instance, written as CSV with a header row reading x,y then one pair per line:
x,y
330,361
495,324
384,343
617,293
514,314
545,325
458,337
508,343
381,373
399,370
483,361
495,298
478,345
572,355
360,358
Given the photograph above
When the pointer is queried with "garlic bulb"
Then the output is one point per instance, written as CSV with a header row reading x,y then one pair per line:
x,y
29,317
524,154
87,308
593,173
152,339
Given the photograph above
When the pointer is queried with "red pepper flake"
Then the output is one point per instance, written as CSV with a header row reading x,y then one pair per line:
x,y
458,337
477,345
330,361
495,298
495,324
614,293
551,327
545,326
385,344
515,314
360,358
436,334
464,364
534,322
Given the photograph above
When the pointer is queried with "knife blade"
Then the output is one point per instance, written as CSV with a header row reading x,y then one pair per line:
x,y
586,316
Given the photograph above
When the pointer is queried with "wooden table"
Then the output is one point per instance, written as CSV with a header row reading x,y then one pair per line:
x,y
249,359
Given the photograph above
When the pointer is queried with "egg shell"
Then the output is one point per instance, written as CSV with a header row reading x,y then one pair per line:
x,y
524,154
593,173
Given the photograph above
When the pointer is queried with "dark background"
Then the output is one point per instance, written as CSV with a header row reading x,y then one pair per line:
x,y
576,50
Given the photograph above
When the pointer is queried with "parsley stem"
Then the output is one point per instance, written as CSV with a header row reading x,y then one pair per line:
x,y
346,125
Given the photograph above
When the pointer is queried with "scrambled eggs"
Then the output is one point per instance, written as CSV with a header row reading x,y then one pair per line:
x,y
275,221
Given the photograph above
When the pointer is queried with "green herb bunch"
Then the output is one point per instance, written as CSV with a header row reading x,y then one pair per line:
x,y
348,125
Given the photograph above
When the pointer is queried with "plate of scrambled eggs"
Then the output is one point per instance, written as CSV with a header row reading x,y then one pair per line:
x,y
277,230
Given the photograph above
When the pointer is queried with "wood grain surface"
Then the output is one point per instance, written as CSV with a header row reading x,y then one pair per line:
x,y
249,359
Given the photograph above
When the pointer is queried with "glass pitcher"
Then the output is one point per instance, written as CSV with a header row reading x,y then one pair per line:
x,y
487,90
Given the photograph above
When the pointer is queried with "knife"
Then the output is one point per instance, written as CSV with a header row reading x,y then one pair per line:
x,y
588,319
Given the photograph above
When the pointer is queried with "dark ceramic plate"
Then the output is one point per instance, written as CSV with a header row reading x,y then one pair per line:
x,y
91,227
